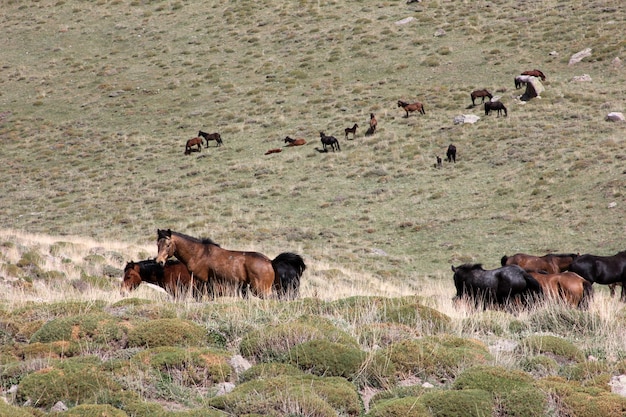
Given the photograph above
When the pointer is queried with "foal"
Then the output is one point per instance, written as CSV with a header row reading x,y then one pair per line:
x,y
211,136
351,130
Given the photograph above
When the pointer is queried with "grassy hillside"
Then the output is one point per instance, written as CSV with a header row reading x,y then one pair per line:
x,y
97,100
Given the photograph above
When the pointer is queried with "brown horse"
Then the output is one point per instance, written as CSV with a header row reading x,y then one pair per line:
x,y
417,106
211,136
242,270
373,124
275,150
191,143
566,286
294,142
173,277
535,73
352,130
552,263
480,94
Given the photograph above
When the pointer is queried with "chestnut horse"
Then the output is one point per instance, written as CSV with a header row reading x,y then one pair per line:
x,y
535,73
417,106
373,124
191,143
566,286
294,142
173,277
480,93
552,263
352,130
211,136
240,270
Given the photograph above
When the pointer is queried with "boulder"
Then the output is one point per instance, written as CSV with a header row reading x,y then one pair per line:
x,y
582,78
579,56
615,116
405,20
466,118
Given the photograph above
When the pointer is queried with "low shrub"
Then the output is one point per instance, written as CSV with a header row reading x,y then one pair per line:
x,y
325,358
453,403
92,410
269,370
399,407
562,350
167,332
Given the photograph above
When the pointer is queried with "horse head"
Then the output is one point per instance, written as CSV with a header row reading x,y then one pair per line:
x,y
165,246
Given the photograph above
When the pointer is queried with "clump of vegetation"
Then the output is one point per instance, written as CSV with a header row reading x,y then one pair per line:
x,y
453,403
572,398
399,407
167,332
561,349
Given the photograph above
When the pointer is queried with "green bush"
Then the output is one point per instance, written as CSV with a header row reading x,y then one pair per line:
x,y
91,410
572,398
453,403
98,328
7,410
167,332
325,358
583,371
292,395
539,366
437,356
269,370
73,381
560,348
399,407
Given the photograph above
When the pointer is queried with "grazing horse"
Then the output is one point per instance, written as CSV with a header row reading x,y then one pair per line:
x,y
173,277
552,263
603,270
294,142
566,286
480,93
211,136
521,80
451,153
351,130
495,105
498,286
329,140
191,143
373,124
417,106
535,73
242,270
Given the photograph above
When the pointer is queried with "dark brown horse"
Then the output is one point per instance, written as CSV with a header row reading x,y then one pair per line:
x,y
480,94
173,277
191,143
373,124
294,142
495,105
603,270
535,73
211,136
329,140
552,263
451,153
238,269
417,106
352,130
565,286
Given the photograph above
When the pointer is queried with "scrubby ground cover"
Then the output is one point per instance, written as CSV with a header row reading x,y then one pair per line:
x,y
98,99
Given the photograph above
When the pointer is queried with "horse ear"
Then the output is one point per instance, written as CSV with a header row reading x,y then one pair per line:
x,y
453,268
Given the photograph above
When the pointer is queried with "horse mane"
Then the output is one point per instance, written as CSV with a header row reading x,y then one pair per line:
x,y
471,267
204,240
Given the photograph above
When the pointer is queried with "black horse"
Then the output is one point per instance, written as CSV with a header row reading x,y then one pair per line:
x,y
211,136
495,287
289,268
495,105
329,140
603,270
451,154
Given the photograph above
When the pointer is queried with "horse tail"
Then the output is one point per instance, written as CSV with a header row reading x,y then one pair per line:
x,y
587,294
533,287
288,268
503,260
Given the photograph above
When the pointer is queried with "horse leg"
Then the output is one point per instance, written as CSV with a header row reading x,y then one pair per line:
x,y
623,296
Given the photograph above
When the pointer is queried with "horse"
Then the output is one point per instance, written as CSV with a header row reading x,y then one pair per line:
x,y
495,287
603,270
243,270
294,142
211,136
521,80
480,93
173,277
552,263
373,124
191,143
566,286
351,130
495,105
535,73
417,106
329,140
271,151
451,153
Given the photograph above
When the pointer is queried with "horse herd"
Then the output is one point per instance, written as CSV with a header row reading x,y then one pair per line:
x,y
202,267
524,279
